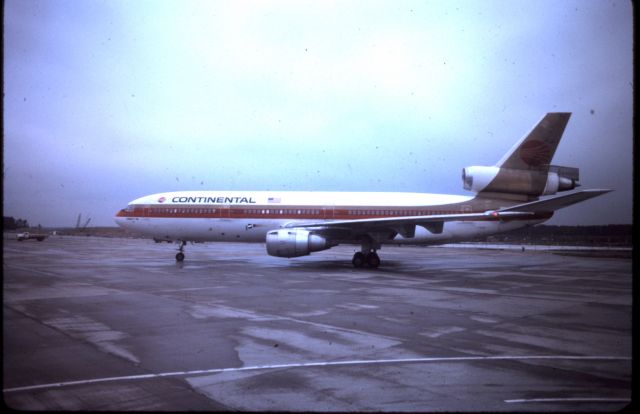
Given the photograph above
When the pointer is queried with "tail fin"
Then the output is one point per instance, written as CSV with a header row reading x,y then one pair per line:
x,y
536,149
525,172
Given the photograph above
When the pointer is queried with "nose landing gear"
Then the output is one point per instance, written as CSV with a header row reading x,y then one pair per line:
x,y
180,254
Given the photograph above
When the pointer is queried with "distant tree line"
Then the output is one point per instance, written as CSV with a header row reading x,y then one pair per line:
x,y
607,235
10,223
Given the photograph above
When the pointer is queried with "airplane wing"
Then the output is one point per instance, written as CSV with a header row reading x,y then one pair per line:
x,y
405,226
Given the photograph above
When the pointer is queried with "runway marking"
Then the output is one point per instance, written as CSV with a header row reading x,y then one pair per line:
x,y
32,270
537,400
319,364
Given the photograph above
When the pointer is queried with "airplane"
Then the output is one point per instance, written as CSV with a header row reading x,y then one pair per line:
x,y
292,224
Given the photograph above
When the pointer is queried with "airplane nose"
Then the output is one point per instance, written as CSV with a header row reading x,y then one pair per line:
x,y
119,218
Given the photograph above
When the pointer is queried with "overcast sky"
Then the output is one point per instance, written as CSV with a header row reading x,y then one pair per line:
x,y
107,101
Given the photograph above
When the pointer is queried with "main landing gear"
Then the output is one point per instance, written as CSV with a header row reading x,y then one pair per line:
x,y
367,255
180,254
370,259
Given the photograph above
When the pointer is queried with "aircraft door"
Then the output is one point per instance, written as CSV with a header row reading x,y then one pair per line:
x,y
327,212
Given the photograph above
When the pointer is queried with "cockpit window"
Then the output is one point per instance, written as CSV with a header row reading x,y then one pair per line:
x,y
129,209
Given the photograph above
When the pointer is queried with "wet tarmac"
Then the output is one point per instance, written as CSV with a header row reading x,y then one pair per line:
x,y
116,324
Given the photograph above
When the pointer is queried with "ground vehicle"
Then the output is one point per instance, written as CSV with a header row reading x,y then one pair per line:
x,y
26,236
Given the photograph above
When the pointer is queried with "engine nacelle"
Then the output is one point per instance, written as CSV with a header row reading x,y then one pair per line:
x,y
557,183
295,243
525,182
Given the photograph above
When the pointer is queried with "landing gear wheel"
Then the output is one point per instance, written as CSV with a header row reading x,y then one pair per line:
x,y
180,254
358,259
373,260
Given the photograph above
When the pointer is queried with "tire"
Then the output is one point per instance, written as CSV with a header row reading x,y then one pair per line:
x,y
373,260
358,260
179,257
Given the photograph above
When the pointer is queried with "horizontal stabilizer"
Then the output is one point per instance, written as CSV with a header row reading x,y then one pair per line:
x,y
555,203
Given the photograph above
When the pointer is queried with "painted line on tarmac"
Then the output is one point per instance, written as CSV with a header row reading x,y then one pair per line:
x,y
580,400
317,364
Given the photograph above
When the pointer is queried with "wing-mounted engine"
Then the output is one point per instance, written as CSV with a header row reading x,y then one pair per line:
x,y
533,182
295,243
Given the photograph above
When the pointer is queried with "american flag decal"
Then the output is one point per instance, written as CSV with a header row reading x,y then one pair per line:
x,y
274,199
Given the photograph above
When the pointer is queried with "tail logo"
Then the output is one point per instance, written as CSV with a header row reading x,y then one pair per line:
x,y
535,153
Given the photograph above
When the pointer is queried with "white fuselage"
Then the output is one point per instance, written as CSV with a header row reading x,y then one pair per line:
x,y
227,216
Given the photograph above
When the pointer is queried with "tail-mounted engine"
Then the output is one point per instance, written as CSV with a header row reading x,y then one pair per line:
x,y
535,182
295,242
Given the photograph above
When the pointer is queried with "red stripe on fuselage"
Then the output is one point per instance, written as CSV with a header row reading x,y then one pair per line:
x,y
292,212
